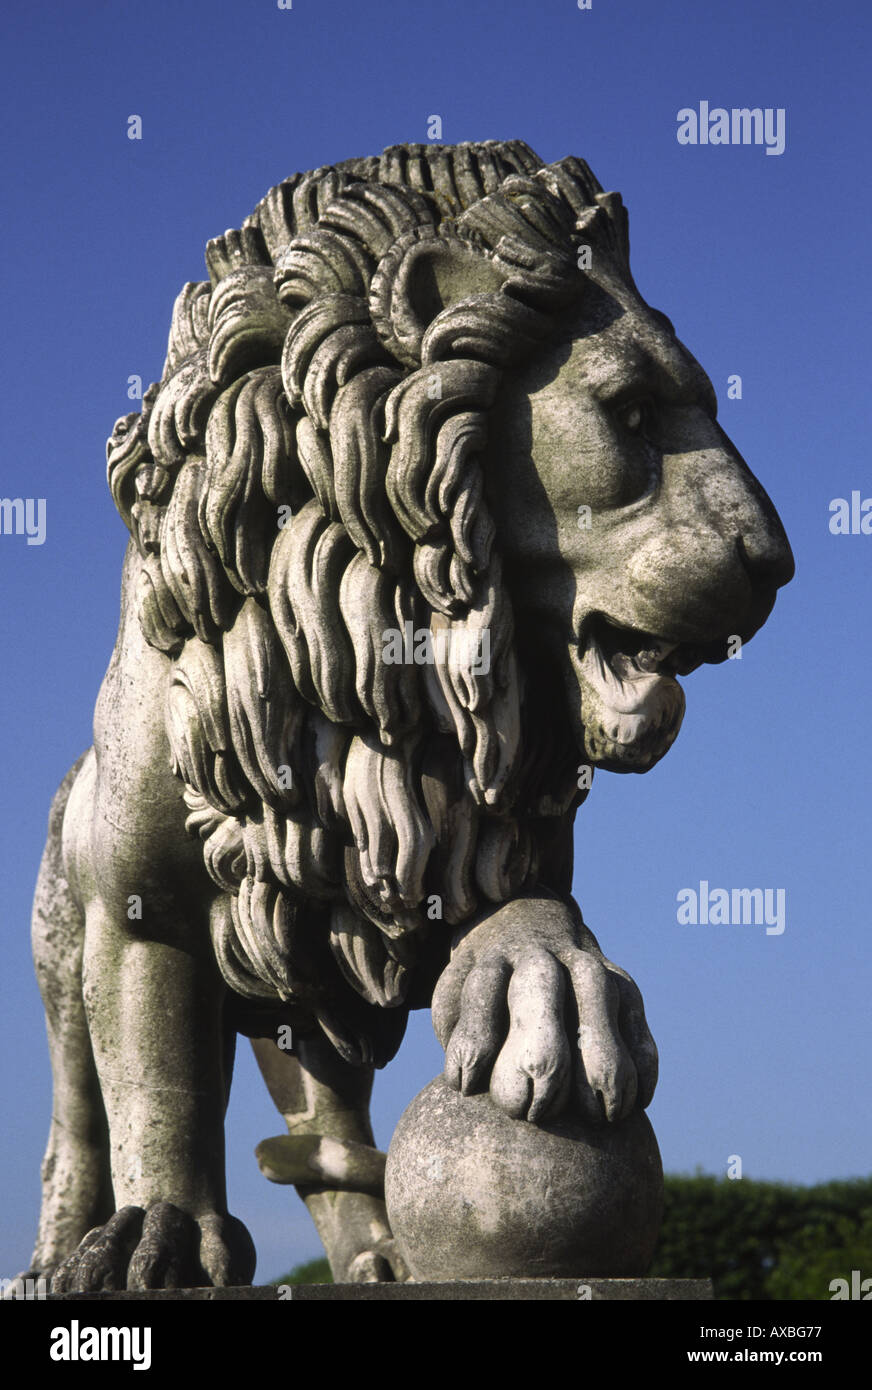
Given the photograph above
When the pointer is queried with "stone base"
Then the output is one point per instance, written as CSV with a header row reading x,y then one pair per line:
x,y
458,1291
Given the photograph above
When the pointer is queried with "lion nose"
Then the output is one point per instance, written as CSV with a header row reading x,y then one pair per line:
x,y
765,551
731,491
767,559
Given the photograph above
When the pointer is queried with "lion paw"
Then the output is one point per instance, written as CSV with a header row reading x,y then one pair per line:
x,y
159,1247
530,1008
357,1237
381,1265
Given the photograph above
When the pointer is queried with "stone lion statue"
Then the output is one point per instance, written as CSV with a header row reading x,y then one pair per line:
x,y
427,512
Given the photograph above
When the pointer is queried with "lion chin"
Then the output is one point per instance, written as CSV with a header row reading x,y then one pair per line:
x,y
631,704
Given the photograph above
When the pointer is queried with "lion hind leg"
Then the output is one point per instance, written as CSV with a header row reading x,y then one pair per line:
x,y
76,1180
329,1155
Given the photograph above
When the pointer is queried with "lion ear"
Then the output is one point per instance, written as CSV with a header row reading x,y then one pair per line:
x,y
423,274
445,271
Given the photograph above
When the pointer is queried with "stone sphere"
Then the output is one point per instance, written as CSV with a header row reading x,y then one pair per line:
x,y
473,1194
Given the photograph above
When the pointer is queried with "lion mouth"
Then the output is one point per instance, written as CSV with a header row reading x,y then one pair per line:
x,y
631,704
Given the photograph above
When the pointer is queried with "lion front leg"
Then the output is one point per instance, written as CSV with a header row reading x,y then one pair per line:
x,y
155,1013
531,1009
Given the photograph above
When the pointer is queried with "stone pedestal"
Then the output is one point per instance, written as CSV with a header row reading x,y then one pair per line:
x,y
457,1291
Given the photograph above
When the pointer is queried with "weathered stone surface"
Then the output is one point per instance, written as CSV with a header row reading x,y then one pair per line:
x,y
472,1193
427,513
309,1159
450,1291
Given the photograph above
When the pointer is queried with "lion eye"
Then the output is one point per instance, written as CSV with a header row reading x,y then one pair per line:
x,y
635,416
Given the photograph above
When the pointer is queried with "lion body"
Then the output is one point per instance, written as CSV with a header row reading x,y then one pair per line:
x,y
278,823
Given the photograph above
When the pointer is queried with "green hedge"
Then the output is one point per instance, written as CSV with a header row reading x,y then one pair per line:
x,y
765,1240
312,1272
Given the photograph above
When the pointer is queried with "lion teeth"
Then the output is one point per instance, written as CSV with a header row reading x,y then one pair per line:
x,y
652,657
645,662
631,709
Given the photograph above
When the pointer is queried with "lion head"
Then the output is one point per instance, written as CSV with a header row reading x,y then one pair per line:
x,y
429,505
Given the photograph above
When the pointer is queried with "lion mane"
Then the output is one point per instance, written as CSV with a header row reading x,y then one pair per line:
x,y
308,477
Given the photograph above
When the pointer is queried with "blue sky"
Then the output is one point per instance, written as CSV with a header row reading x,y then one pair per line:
x,y
761,262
